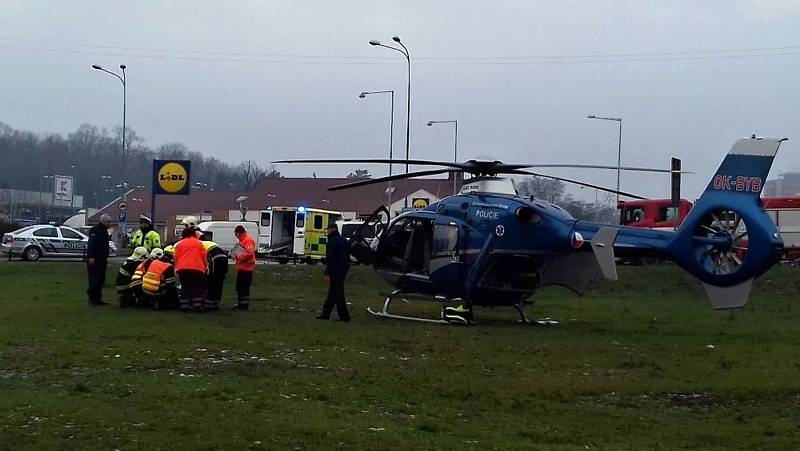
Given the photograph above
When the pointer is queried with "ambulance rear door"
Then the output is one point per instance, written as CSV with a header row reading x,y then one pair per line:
x,y
265,231
300,231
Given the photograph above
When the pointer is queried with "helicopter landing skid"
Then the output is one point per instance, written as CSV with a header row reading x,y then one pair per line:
x,y
384,312
536,322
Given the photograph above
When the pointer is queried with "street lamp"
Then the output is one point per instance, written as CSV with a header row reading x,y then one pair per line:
x,y
455,148
45,177
363,95
619,142
122,79
405,53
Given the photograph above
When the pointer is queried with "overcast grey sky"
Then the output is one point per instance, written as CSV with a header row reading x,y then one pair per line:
x,y
265,80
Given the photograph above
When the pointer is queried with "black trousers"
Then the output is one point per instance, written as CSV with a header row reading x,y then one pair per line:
x,y
192,291
97,278
214,283
336,297
243,281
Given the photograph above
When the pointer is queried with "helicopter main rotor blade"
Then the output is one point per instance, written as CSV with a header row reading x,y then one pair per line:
x,y
388,179
478,167
448,164
576,182
599,166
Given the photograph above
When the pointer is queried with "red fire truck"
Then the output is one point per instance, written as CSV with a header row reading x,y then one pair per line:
x,y
660,214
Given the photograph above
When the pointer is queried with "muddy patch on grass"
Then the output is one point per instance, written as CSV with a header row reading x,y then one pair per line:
x,y
695,401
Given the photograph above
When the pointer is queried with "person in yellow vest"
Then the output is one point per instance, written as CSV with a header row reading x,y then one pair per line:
x,y
146,236
126,287
158,283
217,270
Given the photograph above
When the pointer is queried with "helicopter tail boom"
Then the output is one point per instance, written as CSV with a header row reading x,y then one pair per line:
x,y
728,239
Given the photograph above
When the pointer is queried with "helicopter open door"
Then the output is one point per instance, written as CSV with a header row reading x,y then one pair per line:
x,y
374,225
444,265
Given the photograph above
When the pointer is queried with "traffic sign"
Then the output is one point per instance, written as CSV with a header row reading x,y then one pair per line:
x,y
123,217
122,206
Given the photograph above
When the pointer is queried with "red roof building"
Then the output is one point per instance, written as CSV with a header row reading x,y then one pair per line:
x,y
309,192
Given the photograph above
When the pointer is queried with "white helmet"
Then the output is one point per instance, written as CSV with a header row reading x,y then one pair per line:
x,y
156,253
190,221
140,253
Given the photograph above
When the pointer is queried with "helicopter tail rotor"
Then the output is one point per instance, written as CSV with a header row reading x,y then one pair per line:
x,y
728,239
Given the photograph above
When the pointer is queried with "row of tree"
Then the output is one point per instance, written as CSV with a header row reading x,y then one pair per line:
x,y
554,191
93,156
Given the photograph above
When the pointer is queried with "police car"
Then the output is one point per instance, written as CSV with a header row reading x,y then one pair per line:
x,y
36,241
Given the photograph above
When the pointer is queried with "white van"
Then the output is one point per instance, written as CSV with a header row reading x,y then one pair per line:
x,y
221,232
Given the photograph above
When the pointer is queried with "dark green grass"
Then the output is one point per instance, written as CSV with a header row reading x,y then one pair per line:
x,y
629,367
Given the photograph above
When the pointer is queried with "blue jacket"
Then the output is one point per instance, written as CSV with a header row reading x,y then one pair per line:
x,y
337,256
98,247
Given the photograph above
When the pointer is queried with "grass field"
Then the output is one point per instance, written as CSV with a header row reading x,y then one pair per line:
x,y
639,364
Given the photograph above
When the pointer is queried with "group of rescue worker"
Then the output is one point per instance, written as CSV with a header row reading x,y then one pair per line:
x,y
191,273
188,275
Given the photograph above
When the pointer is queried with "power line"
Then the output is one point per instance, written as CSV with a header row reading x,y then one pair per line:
x,y
277,58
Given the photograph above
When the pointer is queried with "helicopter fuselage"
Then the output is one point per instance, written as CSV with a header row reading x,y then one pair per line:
x,y
494,249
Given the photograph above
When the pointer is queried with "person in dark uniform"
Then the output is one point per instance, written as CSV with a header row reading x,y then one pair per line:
x,y
217,270
126,286
97,260
337,257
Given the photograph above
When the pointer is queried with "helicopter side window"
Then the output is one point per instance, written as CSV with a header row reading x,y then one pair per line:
x,y
445,239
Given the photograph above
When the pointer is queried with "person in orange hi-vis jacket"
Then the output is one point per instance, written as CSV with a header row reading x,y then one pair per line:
x,y
191,266
245,255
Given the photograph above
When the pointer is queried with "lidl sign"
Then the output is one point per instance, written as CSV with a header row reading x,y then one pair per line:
x,y
171,176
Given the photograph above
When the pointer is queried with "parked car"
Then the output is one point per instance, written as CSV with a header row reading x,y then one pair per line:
x,y
36,241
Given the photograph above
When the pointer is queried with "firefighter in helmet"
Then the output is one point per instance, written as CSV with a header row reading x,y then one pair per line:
x,y
146,236
126,286
192,223
158,283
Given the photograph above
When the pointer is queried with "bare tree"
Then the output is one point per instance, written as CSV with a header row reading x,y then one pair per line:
x,y
359,174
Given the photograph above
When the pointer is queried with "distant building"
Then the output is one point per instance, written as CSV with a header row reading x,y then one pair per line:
x,y
38,206
286,192
786,185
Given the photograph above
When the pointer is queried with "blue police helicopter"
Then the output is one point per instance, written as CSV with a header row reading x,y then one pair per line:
x,y
488,246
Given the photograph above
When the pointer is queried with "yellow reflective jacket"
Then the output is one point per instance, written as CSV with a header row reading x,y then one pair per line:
x,y
159,277
149,240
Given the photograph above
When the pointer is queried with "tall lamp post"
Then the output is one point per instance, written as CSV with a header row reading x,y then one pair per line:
x,y
363,95
404,51
619,142
455,148
122,224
